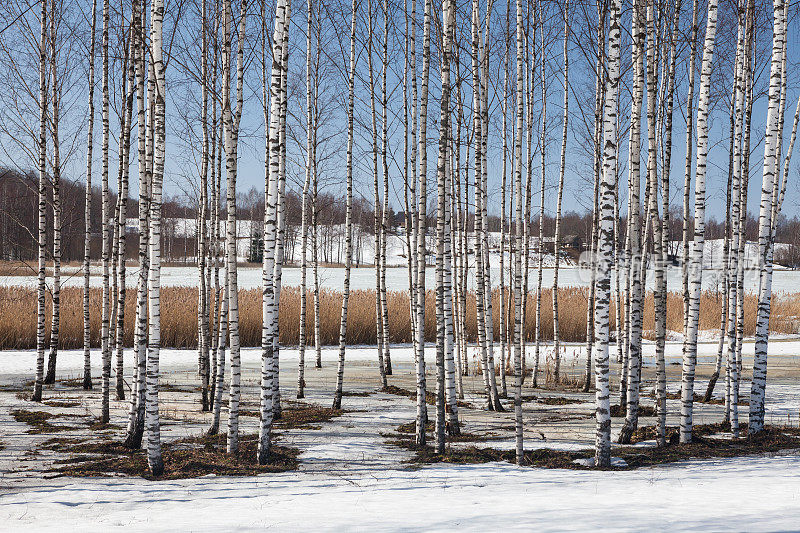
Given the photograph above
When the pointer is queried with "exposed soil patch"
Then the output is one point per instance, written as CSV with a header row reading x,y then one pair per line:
x,y
410,429
622,410
59,443
552,400
61,403
185,458
772,440
299,415
37,420
699,398
96,425
473,455
171,387
430,398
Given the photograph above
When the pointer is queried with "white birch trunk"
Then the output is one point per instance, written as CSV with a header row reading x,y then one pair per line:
x,y
87,220
105,232
696,266
230,118
605,244
42,242
152,423
337,399
768,199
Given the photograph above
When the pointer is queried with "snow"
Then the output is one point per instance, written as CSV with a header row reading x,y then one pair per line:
x,y
363,277
756,494
350,479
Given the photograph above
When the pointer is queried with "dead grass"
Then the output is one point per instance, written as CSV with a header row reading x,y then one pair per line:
x,y
552,400
430,397
61,403
700,398
644,410
37,420
299,415
772,440
179,316
184,458
59,443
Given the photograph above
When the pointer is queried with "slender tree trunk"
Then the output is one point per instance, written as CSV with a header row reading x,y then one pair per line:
x,y
202,295
732,266
337,399
768,201
42,242
221,346
638,31
280,235
152,423
271,222
561,171
146,122
504,109
87,220
303,223
687,176
442,265
135,429
106,229
606,244
387,360
696,267
660,293
122,214
484,140
421,227
376,189
518,316
230,119
543,147
600,96
55,323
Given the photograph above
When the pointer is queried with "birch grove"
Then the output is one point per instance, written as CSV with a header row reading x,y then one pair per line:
x,y
415,273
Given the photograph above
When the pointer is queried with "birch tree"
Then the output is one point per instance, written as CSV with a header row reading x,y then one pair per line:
x,y
136,412
55,117
377,217
106,229
606,244
560,196
271,215
42,243
768,200
696,266
518,316
687,175
122,211
442,233
337,399
305,201
152,423
87,220
230,119
421,228
202,294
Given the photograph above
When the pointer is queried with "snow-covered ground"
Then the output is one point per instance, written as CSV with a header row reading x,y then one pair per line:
x,y
351,479
753,494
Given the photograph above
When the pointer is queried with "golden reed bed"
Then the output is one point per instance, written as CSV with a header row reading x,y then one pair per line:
x,y
179,316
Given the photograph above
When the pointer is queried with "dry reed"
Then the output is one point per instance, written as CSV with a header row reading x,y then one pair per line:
x,y
179,316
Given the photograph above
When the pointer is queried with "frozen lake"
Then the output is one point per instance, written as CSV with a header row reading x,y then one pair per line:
x,y
783,281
